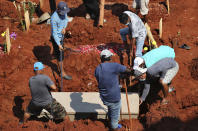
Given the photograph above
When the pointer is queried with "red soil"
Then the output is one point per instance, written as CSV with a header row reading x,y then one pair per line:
x,y
181,26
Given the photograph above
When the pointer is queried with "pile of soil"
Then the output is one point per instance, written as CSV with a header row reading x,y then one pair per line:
x,y
29,47
194,68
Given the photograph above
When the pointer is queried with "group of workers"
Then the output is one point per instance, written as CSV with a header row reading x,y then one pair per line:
x,y
157,64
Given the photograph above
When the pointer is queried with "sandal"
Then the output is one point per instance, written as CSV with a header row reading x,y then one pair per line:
x,y
119,126
67,77
185,46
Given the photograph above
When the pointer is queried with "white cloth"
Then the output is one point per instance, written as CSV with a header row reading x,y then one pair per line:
x,y
138,30
142,5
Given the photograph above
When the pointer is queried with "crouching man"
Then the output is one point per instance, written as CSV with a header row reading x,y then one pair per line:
x,y
107,76
40,86
163,70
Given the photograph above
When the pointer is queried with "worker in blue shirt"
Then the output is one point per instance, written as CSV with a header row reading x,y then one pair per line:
x,y
59,22
107,76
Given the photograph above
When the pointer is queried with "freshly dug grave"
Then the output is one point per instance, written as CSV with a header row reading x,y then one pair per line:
x,y
16,68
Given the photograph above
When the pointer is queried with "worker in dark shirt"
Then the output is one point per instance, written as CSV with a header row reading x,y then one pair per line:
x,y
40,86
107,76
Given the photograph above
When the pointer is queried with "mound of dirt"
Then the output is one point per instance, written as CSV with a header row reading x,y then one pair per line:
x,y
194,68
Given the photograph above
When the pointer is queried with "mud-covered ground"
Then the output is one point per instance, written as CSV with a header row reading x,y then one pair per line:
x,y
180,27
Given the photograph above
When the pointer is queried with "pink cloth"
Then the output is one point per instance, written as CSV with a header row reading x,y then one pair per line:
x,y
115,49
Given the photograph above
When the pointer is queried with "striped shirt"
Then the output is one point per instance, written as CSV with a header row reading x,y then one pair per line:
x,y
57,24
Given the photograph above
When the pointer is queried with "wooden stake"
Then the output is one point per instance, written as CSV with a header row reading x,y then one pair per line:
x,y
129,112
27,20
150,34
14,3
8,43
41,3
150,44
160,28
168,7
101,18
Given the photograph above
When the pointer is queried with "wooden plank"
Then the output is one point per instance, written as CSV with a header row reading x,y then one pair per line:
x,y
8,43
160,28
27,20
127,99
41,3
168,7
14,3
150,36
101,17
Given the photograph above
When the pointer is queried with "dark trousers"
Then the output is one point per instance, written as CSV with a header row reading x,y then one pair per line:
x,y
92,7
56,50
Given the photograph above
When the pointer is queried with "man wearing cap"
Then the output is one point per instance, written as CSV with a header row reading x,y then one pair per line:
x,y
158,64
59,22
143,6
107,77
135,30
40,86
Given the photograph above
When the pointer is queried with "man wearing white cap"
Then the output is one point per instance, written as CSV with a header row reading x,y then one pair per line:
x,y
156,64
107,76
40,86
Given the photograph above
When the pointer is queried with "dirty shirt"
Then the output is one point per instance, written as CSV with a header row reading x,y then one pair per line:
x,y
136,26
40,89
57,24
108,84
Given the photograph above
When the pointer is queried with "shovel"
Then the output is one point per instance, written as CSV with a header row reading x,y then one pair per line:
x,y
61,53
129,112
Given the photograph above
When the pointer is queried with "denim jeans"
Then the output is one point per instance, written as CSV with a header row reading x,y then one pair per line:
x,y
113,113
139,41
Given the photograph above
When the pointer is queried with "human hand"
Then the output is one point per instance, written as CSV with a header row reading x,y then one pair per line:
x,y
140,102
60,47
63,31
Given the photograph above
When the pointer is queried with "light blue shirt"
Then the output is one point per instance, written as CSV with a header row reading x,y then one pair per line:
x,y
57,24
157,54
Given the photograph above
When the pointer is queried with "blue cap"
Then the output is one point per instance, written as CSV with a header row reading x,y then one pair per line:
x,y
62,8
38,66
